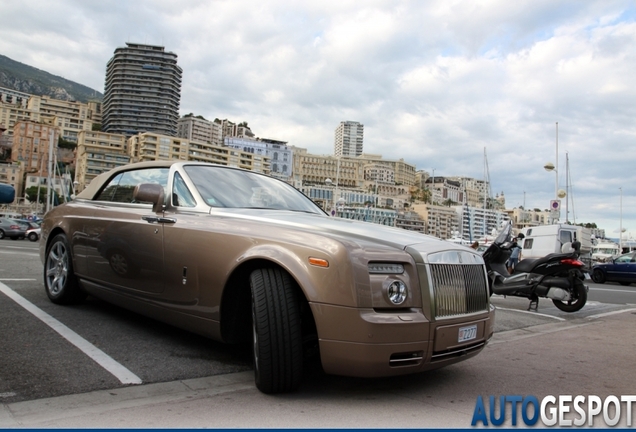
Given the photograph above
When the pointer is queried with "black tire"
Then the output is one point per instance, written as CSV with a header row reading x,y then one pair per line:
x,y
598,276
578,301
1,234
276,329
33,237
60,282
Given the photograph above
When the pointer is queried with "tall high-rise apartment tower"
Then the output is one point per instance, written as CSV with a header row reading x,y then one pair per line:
x,y
349,135
142,91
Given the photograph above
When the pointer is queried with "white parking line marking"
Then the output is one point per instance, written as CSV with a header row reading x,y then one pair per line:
x,y
99,356
611,313
614,290
532,313
18,279
19,253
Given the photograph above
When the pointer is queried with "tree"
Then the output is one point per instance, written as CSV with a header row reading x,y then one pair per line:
x,y
32,194
449,202
62,143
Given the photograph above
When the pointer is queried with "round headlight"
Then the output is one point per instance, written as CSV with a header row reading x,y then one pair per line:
x,y
397,292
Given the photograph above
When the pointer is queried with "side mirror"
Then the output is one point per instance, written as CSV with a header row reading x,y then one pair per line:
x,y
152,193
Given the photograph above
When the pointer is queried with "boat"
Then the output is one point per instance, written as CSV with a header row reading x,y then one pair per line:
x,y
605,250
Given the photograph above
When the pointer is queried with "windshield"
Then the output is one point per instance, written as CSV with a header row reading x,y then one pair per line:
x,y
504,235
232,188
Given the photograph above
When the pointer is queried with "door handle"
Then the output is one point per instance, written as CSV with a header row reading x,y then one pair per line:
x,y
157,219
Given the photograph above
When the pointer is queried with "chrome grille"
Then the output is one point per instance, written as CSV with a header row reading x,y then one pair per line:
x,y
458,289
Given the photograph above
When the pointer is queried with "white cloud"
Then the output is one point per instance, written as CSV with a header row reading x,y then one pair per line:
x,y
434,83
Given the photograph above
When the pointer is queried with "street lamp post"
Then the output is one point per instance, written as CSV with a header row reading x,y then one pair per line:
x,y
559,193
620,226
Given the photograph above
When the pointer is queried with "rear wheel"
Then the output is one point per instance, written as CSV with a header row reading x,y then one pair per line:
x,y
1,234
59,278
598,276
276,330
579,298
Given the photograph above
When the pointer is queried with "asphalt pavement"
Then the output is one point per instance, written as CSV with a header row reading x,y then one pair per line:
x,y
592,355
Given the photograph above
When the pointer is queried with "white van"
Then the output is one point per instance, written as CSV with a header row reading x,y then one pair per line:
x,y
543,240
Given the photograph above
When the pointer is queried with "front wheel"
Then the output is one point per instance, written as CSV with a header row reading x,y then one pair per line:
x,y
598,276
579,298
276,329
59,278
33,237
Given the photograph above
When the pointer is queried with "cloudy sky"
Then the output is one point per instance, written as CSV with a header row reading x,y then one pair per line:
x,y
437,83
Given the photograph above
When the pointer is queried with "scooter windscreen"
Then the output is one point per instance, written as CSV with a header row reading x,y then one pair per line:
x,y
504,234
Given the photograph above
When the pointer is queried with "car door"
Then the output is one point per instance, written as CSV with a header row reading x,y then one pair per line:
x,y
618,270
631,270
124,246
187,245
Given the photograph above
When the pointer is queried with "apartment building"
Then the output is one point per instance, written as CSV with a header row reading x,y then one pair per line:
x,y
95,111
410,220
31,143
280,155
316,169
349,137
440,221
98,152
522,218
11,113
142,92
403,172
478,222
70,117
150,146
14,97
195,128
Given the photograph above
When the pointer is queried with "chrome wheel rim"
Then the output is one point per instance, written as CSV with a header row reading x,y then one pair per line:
x,y
56,268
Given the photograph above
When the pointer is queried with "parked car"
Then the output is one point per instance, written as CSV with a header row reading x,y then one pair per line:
x,y
242,257
33,234
12,229
621,269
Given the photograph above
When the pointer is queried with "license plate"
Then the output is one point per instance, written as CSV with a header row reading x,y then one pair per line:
x,y
467,333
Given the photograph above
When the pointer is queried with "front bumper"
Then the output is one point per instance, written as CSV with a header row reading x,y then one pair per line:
x,y
368,343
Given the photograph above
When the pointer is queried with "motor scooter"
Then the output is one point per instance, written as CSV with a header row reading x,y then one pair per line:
x,y
557,276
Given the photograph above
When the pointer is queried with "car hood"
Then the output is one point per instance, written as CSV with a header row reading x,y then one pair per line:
x,y
351,230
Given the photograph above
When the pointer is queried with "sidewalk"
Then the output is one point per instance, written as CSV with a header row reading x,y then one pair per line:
x,y
584,357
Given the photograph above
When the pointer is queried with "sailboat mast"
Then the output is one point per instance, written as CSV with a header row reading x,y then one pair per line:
x,y
567,187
